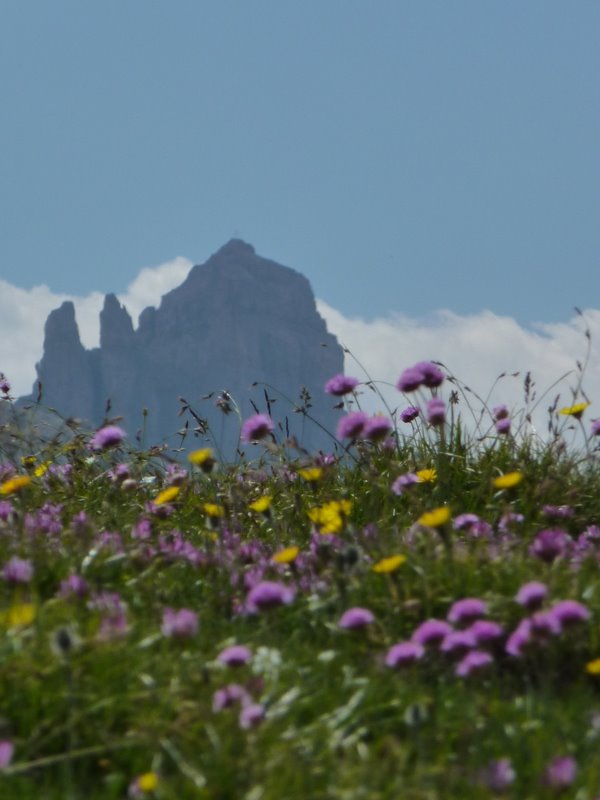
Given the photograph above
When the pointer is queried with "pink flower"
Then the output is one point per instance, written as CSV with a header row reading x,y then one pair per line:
x,y
179,624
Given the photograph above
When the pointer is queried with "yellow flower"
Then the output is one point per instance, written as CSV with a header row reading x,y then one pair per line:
x,y
147,782
286,556
426,475
330,517
15,484
19,615
435,518
202,458
28,461
311,474
508,480
593,667
389,564
166,495
261,504
42,469
214,510
574,411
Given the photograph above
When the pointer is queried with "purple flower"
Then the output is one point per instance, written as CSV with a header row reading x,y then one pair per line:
x,y
465,521
436,411
251,715
432,374
352,425
503,426
340,385
532,595
473,663
404,654
376,428
6,752
404,482
17,570
431,632
4,384
74,585
235,656
595,427
519,639
509,520
456,643
6,510
180,624
228,695
498,775
268,594
549,544
467,610
544,624
409,413
500,412
410,379
558,512
560,773
256,428
569,612
485,631
355,618
109,436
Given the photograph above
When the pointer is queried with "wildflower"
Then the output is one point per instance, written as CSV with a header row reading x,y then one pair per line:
x,y
340,385
498,775
436,411
432,374
409,414
74,585
166,495
180,624
560,773
557,512
202,458
500,412
17,570
410,379
268,594
503,426
431,632
18,615
544,624
569,612
509,519
257,427
389,564
457,643
261,504
286,556
311,474
508,480
404,482
6,510
6,752
467,610
435,518
593,667
235,656
330,517
549,544
144,784
4,384
473,663
404,654
532,595
376,428
485,631
595,427
228,695
251,715
109,436
575,410
356,618
213,510
426,475
15,484
351,426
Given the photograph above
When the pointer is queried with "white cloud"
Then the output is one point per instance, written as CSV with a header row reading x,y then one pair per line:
x,y
475,348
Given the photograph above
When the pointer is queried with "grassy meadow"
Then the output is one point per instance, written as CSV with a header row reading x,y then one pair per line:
x,y
413,614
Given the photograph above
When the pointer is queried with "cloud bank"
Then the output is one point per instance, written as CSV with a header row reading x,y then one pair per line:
x,y
475,348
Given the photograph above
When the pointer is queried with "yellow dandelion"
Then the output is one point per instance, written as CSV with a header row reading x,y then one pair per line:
x,y
286,556
574,411
166,495
147,782
41,469
19,615
426,475
330,517
389,564
508,480
435,518
311,474
261,504
214,510
203,458
593,667
15,484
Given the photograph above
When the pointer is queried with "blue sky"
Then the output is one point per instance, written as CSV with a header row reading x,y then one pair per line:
x,y
407,157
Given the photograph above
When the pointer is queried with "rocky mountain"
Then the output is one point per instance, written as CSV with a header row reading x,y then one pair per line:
x,y
236,323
